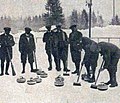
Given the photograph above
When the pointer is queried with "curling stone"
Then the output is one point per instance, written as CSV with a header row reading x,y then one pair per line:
x,y
59,78
38,79
43,74
31,81
21,80
59,81
102,87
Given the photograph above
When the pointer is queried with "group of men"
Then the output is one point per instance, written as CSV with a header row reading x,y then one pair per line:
x,y
57,43
26,48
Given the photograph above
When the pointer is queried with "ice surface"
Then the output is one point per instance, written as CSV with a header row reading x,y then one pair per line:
x,y
46,92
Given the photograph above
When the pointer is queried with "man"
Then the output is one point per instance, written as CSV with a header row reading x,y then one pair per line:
x,y
27,48
47,38
6,42
90,58
111,55
75,40
62,46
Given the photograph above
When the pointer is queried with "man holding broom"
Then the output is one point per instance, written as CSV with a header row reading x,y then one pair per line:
x,y
6,42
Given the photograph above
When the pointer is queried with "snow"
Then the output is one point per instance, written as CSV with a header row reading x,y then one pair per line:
x,y
46,92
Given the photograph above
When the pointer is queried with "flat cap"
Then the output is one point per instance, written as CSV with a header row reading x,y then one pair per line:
x,y
28,29
72,26
7,28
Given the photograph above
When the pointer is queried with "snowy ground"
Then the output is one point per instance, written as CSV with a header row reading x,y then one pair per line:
x,y
46,92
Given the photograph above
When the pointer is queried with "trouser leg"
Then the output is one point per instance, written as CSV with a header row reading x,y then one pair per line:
x,y
23,65
2,67
31,66
50,61
56,60
77,65
87,65
7,67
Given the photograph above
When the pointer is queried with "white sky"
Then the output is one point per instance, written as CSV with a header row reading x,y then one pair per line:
x,y
35,7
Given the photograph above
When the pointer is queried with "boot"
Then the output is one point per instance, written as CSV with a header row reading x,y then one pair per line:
x,y
66,70
107,83
23,71
57,62
2,69
50,67
75,72
7,67
114,84
91,80
31,65
50,63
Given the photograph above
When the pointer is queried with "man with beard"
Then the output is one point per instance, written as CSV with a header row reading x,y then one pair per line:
x,y
62,46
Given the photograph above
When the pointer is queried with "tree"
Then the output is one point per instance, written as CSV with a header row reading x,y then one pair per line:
x,y
54,12
94,19
100,21
74,17
84,20
115,20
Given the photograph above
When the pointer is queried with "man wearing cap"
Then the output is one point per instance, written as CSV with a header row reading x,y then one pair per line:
x,y
6,42
111,55
91,50
26,48
47,38
62,47
75,40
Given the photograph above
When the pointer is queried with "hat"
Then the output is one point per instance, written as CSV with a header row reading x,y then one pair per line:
x,y
73,26
28,29
7,28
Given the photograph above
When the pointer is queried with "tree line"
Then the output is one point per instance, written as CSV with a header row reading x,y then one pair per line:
x,y
54,14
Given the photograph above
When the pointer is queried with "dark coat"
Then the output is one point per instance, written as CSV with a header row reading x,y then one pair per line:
x,y
51,41
91,51
110,52
75,40
62,44
6,41
24,45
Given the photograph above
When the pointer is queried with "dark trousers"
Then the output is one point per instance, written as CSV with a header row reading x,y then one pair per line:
x,y
63,55
112,69
91,62
24,57
76,58
5,57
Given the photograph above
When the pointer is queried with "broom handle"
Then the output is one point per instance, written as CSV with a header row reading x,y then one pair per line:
x,y
13,71
79,73
35,59
99,72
